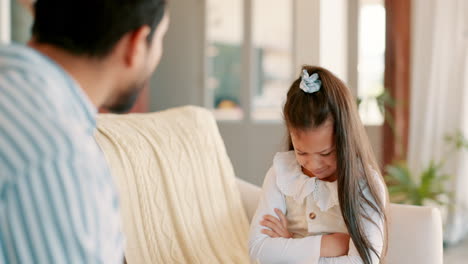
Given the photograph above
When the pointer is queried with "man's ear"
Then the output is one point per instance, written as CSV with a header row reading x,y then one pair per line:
x,y
135,45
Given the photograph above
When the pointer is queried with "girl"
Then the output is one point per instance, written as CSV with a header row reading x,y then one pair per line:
x,y
323,201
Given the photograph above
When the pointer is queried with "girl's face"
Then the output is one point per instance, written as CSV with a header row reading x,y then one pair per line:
x,y
315,151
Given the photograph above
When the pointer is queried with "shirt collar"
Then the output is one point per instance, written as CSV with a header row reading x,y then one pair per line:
x,y
293,182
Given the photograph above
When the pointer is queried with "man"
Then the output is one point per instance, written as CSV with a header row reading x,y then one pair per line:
x,y
58,203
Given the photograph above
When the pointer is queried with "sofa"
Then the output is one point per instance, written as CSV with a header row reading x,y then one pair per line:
x,y
182,203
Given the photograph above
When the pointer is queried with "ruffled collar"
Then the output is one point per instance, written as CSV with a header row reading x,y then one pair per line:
x,y
293,182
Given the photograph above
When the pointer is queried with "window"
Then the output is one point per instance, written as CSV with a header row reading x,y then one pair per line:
x,y
371,63
270,26
272,49
224,31
254,88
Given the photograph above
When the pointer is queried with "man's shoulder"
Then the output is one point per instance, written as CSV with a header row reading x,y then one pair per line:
x,y
22,65
30,140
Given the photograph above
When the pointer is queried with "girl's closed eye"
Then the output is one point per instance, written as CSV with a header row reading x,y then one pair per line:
x,y
326,154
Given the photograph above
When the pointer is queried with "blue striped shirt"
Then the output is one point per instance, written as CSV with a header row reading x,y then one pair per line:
x,y
58,202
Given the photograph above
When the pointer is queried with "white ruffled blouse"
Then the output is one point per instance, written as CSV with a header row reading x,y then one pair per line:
x,y
312,209
294,183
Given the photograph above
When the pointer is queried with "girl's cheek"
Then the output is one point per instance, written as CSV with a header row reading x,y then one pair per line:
x,y
301,160
332,162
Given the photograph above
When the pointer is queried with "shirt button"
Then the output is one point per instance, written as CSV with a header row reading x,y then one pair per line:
x,y
312,215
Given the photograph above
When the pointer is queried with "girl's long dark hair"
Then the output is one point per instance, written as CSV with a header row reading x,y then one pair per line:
x,y
354,156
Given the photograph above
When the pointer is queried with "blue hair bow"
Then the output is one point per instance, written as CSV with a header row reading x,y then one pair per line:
x,y
310,84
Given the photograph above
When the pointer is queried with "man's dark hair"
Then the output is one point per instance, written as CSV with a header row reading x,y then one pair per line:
x,y
93,27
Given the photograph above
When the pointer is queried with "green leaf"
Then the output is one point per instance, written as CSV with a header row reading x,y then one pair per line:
x,y
395,189
428,177
400,173
457,139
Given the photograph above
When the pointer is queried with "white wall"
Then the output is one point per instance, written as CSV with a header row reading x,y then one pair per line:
x,y
21,22
5,21
179,77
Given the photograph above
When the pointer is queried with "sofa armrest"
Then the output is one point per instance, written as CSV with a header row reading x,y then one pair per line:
x,y
250,195
415,235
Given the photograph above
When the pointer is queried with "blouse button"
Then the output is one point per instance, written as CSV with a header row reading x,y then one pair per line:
x,y
312,215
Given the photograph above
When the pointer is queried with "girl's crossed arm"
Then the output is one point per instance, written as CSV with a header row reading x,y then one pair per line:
x,y
276,245
268,249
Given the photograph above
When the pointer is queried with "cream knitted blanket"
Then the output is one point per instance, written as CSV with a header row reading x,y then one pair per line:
x,y
179,198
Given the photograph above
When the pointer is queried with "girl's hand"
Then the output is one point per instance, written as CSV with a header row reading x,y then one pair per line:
x,y
334,245
278,226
